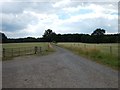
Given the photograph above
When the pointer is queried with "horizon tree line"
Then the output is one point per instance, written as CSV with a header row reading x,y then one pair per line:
x,y
98,36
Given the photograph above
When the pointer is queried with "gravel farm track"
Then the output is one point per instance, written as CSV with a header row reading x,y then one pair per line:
x,y
61,69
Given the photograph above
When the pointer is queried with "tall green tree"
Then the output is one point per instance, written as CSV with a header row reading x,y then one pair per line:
x,y
3,37
49,35
98,35
98,31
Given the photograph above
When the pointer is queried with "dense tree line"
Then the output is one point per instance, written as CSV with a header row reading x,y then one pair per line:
x,y
98,36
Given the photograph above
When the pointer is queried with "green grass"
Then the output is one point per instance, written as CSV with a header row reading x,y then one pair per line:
x,y
21,49
106,54
19,45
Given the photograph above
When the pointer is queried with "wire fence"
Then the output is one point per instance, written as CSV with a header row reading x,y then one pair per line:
x,y
111,49
13,52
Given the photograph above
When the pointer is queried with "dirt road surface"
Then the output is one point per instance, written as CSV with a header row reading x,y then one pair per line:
x,y
61,69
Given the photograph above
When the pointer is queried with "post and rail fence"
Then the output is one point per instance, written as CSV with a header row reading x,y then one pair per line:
x,y
13,52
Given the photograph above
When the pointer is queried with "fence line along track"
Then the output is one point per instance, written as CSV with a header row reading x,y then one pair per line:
x,y
103,48
13,52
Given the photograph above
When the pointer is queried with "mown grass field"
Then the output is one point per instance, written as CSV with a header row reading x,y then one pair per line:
x,y
20,49
106,54
18,45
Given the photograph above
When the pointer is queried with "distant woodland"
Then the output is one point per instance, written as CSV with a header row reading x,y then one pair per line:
x,y
98,36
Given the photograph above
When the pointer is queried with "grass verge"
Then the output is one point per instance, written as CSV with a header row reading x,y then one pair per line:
x,y
96,55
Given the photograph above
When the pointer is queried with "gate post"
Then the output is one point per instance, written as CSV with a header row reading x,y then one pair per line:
x,y
3,52
40,49
36,48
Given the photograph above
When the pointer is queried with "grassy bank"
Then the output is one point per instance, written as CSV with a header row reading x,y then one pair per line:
x,y
21,49
106,54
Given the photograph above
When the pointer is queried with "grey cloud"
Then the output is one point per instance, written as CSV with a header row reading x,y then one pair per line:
x,y
13,23
89,25
15,20
46,6
19,7
14,7
42,7
12,27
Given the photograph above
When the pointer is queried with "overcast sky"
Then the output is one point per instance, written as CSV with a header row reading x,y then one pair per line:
x,y
32,18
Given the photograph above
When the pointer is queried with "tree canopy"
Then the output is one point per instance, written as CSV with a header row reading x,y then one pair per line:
x,y
98,36
98,31
49,35
3,37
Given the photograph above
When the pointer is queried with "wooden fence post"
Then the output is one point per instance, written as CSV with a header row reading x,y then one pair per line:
x,y
12,52
111,50
95,46
25,51
36,49
85,46
40,49
19,51
3,52
48,46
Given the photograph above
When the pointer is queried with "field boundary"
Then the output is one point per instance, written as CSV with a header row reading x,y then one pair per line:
x,y
98,54
8,53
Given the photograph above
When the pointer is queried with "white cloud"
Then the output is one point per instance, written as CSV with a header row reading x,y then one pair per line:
x,y
21,19
62,3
